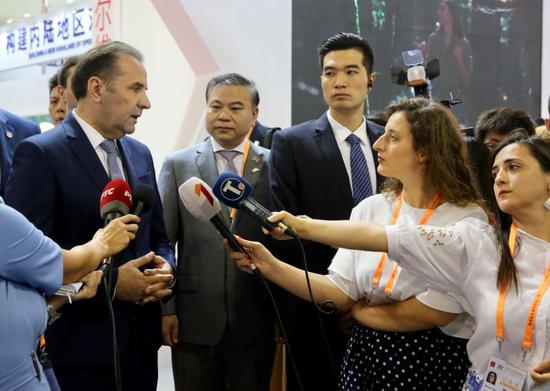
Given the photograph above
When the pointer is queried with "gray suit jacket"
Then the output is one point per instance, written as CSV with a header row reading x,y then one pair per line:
x,y
210,290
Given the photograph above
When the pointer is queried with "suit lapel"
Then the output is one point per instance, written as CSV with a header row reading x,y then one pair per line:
x,y
373,136
252,172
208,171
331,154
84,152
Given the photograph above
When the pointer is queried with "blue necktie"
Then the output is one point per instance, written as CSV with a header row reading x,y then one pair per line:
x,y
109,146
360,178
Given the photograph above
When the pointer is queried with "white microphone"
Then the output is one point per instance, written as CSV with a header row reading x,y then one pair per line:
x,y
198,199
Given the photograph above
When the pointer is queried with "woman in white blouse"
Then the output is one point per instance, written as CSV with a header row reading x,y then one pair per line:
x,y
503,275
423,153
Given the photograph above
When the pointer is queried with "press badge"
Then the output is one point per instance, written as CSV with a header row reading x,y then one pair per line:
x,y
503,376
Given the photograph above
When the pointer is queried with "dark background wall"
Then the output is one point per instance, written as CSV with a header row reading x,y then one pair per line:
x,y
505,40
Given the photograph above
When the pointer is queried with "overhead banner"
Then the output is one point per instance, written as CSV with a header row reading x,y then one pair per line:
x,y
51,37
106,21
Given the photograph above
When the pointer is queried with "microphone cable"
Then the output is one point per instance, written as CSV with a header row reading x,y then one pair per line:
x,y
111,314
257,272
329,304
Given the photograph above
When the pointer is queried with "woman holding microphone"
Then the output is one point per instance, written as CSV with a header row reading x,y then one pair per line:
x,y
502,272
32,266
423,156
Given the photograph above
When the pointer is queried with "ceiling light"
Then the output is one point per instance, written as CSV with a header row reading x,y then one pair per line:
x,y
26,15
9,21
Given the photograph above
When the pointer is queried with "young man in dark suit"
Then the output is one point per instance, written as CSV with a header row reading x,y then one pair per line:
x,y
57,180
323,168
13,129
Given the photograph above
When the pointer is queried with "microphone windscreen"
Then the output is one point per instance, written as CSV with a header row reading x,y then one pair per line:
x,y
197,197
144,199
115,198
231,189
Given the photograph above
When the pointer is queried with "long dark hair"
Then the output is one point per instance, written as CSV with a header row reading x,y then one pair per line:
x,y
540,150
458,31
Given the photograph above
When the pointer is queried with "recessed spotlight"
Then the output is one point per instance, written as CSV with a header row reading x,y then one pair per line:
x,y
26,15
70,1
9,21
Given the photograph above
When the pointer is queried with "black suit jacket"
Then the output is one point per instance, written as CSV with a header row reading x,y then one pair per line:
x,y
56,182
308,176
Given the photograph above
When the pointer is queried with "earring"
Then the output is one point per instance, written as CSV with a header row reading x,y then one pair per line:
x,y
547,204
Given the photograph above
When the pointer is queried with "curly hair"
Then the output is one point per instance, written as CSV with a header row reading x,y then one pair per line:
x,y
435,132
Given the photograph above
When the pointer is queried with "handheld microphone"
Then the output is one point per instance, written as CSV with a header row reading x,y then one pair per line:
x,y
115,201
144,199
234,191
197,197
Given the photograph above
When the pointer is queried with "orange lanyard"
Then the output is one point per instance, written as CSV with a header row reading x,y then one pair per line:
x,y
532,316
380,267
233,211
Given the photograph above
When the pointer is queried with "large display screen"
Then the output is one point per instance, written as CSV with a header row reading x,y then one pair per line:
x,y
489,50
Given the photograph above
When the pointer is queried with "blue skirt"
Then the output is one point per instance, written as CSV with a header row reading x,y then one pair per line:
x,y
421,360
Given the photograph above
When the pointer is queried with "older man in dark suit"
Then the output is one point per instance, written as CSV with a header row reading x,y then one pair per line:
x,y
323,168
57,180
13,129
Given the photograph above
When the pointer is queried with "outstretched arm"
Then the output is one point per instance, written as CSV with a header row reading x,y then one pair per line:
x,y
358,235
80,260
289,277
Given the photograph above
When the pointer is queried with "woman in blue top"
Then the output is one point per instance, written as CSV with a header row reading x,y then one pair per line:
x,y
31,266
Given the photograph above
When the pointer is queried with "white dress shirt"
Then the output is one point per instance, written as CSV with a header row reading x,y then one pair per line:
x,y
96,139
341,133
220,161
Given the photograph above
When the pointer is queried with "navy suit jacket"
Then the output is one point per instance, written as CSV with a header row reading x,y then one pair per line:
x,y
56,182
13,129
308,176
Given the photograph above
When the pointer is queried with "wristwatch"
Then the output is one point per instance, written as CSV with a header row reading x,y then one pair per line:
x,y
53,315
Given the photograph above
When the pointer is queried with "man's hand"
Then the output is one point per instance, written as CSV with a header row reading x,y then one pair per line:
x,y
158,290
170,330
132,283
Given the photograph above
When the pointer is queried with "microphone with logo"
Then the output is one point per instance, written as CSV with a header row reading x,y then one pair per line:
x,y
115,201
197,197
234,191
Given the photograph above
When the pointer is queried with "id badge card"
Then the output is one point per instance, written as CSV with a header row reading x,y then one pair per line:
x,y
503,376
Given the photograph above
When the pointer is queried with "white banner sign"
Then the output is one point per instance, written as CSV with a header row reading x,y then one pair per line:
x,y
106,21
52,37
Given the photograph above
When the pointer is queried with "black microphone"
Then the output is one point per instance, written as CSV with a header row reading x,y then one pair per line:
x,y
197,197
144,198
234,191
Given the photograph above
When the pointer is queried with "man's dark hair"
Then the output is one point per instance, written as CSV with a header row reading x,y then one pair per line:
x,y
53,82
502,121
344,41
64,71
234,79
100,62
